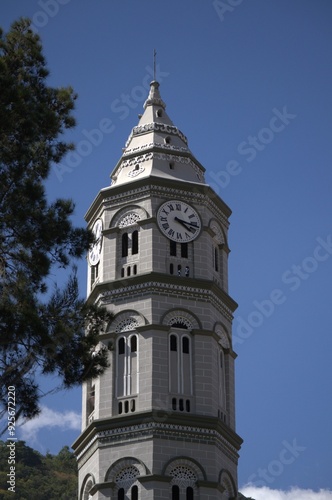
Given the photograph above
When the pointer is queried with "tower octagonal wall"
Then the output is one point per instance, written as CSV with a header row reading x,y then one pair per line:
x,y
159,423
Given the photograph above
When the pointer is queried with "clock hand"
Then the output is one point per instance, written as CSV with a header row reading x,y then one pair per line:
x,y
186,222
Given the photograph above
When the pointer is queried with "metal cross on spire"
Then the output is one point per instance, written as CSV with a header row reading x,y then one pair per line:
x,y
154,64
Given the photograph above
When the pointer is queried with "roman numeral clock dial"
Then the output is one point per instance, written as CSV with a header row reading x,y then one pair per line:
x,y
178,221
95,250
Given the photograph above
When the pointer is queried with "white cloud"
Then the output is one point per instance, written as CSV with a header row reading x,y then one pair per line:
x,y
266,493
49,419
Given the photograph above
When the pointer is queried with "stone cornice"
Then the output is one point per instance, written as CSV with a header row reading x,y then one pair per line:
x,y
169,148
157,127
163,284
167,425
154,186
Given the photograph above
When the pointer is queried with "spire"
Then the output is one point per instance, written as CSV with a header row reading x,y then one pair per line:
x,y
156,147
154,97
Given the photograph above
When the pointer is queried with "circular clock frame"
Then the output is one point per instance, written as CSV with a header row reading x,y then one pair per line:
x,y
95,250
179,221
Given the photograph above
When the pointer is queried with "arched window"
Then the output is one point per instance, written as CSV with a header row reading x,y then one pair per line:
x,y
190,493
94,273
121,494
216,258
222,380
134,243
173,343
134,493
184,250
121,345
186,368
133,343
90,397
87,488
180,364
125,245
175,492
185,345
127,374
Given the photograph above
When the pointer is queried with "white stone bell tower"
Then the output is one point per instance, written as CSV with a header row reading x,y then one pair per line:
x,y
160,423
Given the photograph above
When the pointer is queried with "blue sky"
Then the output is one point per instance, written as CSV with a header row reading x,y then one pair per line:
x,y
249,83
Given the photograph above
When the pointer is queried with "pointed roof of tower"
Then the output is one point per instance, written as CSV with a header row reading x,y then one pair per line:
x,y
157,148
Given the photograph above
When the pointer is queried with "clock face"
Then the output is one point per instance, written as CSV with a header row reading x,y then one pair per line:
x,y
179,221
94,253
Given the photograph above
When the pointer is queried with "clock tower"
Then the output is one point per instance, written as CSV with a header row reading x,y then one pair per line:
x,y
160,422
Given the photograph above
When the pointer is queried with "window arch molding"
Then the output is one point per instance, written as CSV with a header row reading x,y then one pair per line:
x,y
126,321
188,462
222,333
128,217
174,317
184,472
227,483
87,485
123,463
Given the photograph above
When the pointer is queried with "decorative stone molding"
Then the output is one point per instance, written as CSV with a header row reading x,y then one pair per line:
x,y
169,431
125,469
194,467
126,321
191,196
157,127
227,483
181,320
87,485
128,215
126,477
224,340
164,288
152,145
129,220
219,236
126,325
147,428
137,161
183,476
180,316
136,171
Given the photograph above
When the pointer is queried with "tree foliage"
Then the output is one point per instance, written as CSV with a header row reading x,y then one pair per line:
x,y
53,477
41,330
